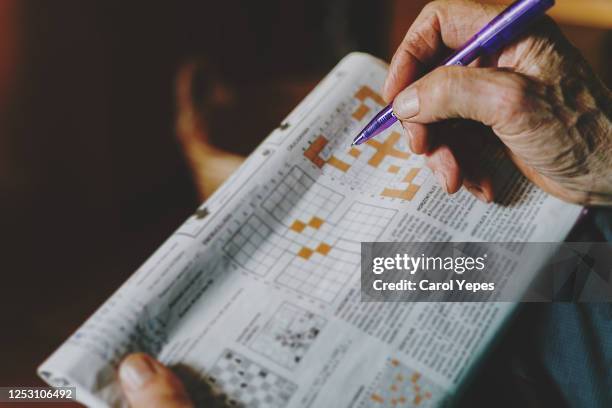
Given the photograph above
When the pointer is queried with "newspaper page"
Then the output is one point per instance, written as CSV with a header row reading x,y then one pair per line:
x,y
258,293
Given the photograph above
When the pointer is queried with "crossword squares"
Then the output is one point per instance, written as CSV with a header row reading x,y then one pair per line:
x,y
323,277
365,92
323,248
407,194
393,169
386,148
339,164
259,248
248,384
298,193
253,246
320,278
355,152
361,111
411,175
296,237
298,226
315,222
287,335
312,153
382,166
365,223
305,252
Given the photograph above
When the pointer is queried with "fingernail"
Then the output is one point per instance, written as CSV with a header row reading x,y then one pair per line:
x,y
477,192
406,104
441,180
135,372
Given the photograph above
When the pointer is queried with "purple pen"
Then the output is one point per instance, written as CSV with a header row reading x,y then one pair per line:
x,y
514,20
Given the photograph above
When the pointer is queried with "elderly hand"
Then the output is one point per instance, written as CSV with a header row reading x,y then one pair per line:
x,y
148,384
539,97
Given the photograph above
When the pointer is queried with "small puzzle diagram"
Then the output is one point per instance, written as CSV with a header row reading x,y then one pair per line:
x,y
247,384
288,335
400,386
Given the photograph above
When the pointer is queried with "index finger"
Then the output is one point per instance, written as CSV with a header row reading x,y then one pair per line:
x,y
440,25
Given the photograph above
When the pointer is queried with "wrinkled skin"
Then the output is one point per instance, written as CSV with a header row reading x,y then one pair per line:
x,y
538,96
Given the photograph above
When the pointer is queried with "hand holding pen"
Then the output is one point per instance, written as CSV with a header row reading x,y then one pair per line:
x,y
537,95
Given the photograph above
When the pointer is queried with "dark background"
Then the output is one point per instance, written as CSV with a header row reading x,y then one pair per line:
x,y
92,178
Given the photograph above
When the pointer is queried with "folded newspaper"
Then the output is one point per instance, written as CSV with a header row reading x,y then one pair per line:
x,y
258,293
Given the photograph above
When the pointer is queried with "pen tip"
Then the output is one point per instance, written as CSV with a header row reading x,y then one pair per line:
x,y
358,140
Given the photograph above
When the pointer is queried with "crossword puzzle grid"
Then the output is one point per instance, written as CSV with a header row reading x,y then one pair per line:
x,y
261,253
311,253
257,247
320,277
298,193
324,276
253,246
364,223
288,335
248,384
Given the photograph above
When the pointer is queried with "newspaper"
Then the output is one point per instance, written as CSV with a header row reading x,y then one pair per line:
x,y
258,293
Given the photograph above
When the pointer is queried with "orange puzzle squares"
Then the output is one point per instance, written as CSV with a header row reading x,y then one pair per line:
x,y
407,194
386,149
393,169
366,92
377,398
305,253
313,151
323,248
339,164
315,222
298,226
411,175
361,111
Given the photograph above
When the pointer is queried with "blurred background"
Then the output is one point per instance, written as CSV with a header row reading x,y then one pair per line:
x,y
112,115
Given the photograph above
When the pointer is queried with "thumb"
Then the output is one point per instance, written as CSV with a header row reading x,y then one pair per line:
x,y
495,97
147,383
